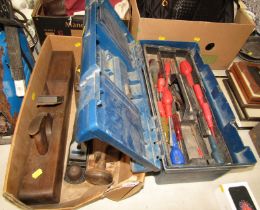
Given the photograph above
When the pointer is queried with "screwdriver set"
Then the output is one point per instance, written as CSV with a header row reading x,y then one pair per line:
x,y
188,126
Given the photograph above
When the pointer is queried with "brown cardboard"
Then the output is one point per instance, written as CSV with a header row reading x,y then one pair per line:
x,y
60,25
55,25
228,38
72,196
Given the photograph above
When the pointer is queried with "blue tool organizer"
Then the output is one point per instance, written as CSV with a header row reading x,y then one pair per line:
x,y
114,106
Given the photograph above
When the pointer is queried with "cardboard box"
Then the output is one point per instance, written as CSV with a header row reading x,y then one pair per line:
x,y
55,25
219,42
72,196
60,25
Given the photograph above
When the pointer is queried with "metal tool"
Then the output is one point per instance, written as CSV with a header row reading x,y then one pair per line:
x,y
98,175
189,113
208,117
175,116
194,152
74,174
165,106
77,158
76,165
156,78
164,121
167,100
154,69
216,154
177,96
186,69
203,127
48,100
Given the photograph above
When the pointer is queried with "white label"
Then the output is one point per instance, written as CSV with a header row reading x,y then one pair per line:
x,y
79,13
130,184
19,87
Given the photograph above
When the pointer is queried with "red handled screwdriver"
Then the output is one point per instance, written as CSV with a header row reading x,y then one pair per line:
x,y
175,116
215,151
185,69
205,107
167,100
176,154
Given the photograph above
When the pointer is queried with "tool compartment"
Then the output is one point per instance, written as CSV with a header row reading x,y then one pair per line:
x,y
118,104
224,130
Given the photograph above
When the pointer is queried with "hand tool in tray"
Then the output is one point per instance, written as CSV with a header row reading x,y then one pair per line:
x,y
195,146
47,132
186,69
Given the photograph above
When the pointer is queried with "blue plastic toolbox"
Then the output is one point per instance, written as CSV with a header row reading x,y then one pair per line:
x,y
117,103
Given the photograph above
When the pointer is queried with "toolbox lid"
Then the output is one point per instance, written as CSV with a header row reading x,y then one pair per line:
x,y
113,105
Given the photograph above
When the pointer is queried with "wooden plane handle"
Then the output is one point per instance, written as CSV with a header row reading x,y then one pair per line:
x,y
40,130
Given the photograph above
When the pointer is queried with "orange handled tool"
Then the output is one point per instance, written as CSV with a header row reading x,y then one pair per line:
x,y
199,94
176,154
186,70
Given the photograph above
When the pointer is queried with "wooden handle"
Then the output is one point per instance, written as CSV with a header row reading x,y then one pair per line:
x,y
40,129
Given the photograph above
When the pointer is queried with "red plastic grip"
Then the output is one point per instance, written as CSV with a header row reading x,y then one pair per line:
x,y
160,84
177,126
167,100
161,109
199,95
185,69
